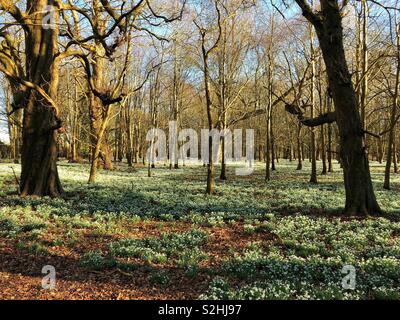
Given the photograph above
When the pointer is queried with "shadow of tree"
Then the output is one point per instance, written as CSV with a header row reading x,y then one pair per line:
x,y
69,272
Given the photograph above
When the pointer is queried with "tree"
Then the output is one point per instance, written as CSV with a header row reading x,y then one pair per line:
x,y
95,51
229,62
269,143
360,196
35,91
313,178
391,149
205,53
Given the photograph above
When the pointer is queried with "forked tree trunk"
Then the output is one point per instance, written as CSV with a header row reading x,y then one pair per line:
x,y
39,176
96,120
96,107
98,146
360,197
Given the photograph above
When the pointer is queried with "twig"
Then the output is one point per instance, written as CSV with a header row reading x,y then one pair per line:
x,y
371,134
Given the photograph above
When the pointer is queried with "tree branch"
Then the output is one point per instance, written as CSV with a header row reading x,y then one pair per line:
x,y
38,89
325,118
166,19
14,11
309,13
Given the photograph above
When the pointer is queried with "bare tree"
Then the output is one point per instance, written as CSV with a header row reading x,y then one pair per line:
x,y
34,89
391,149
206,52
360,197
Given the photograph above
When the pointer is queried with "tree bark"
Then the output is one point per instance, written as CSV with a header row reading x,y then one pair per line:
x,y
39,175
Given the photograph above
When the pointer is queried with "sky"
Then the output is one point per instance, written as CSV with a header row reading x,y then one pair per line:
x,y
3,124
4,136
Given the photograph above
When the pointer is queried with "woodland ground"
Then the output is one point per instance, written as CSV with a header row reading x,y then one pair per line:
x,y
134,237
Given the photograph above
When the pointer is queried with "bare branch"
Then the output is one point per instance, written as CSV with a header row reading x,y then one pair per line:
x,y
309,13
325,118
14,11
166,19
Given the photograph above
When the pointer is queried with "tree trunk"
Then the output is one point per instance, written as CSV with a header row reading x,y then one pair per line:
x,y
268,148
210,169
299,149
210,189
98,146
393,115
96,120
330,149
364,63
273,155
313,178
39,176
323,152
223,160
128,131
395,166
96,108
14,124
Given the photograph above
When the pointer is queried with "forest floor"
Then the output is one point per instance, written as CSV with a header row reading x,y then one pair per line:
x,y
133,237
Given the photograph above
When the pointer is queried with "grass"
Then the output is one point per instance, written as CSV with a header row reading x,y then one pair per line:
x,y
283,239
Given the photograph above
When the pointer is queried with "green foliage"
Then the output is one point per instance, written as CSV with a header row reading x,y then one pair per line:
x,y
96,261
307,262
35,248
159,278
180,195
306,243
184,248
12,228
274,290
190,258
8,227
